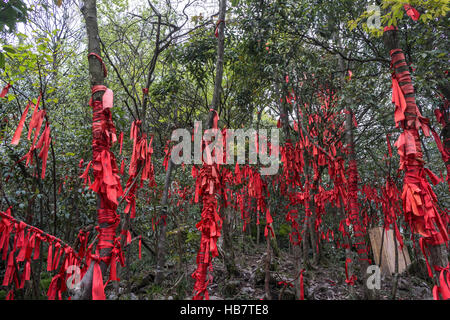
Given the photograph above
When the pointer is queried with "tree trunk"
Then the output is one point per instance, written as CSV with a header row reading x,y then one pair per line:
x,y
209,201
267,269
161,253
229,255
219,63
352,210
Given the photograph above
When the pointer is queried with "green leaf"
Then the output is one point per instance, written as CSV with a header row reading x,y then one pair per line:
x,y
9,49
2,60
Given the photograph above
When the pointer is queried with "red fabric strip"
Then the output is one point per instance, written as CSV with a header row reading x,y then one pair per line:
x,y
5,90
16,138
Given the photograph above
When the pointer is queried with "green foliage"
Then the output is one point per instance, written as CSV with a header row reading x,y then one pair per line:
x,y
45,283
11,13
393,12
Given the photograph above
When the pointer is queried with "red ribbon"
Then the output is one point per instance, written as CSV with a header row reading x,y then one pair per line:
x,y
411,12
444,283
390,28
16,138
216,118
352,279
216,32
389,145
35,119
302,293
120,142
5,90
98,291
140,249
105,72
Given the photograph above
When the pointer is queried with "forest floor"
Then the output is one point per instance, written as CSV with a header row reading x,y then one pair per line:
x,y
324,282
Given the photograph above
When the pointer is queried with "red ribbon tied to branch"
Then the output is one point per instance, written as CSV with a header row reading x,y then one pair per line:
x,y
27,244
411,12
216,32
5,91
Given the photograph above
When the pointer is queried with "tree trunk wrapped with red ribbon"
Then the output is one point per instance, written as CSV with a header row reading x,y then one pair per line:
x,y
107,186
207,186
419,200
106,173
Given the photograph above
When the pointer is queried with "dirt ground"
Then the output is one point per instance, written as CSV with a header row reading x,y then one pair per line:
x,y
326,281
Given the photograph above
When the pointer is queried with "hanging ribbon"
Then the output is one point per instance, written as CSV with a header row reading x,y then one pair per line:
x,y
16,138
302,292
411,12
216,32
352,279
105,72
5,90
216,118
207,186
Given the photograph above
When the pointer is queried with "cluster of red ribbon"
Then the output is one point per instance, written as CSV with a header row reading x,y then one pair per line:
x,y
390,205
25,246
208,185
411,12
353,210
444,121
213,181
141,159
44,141
319,156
